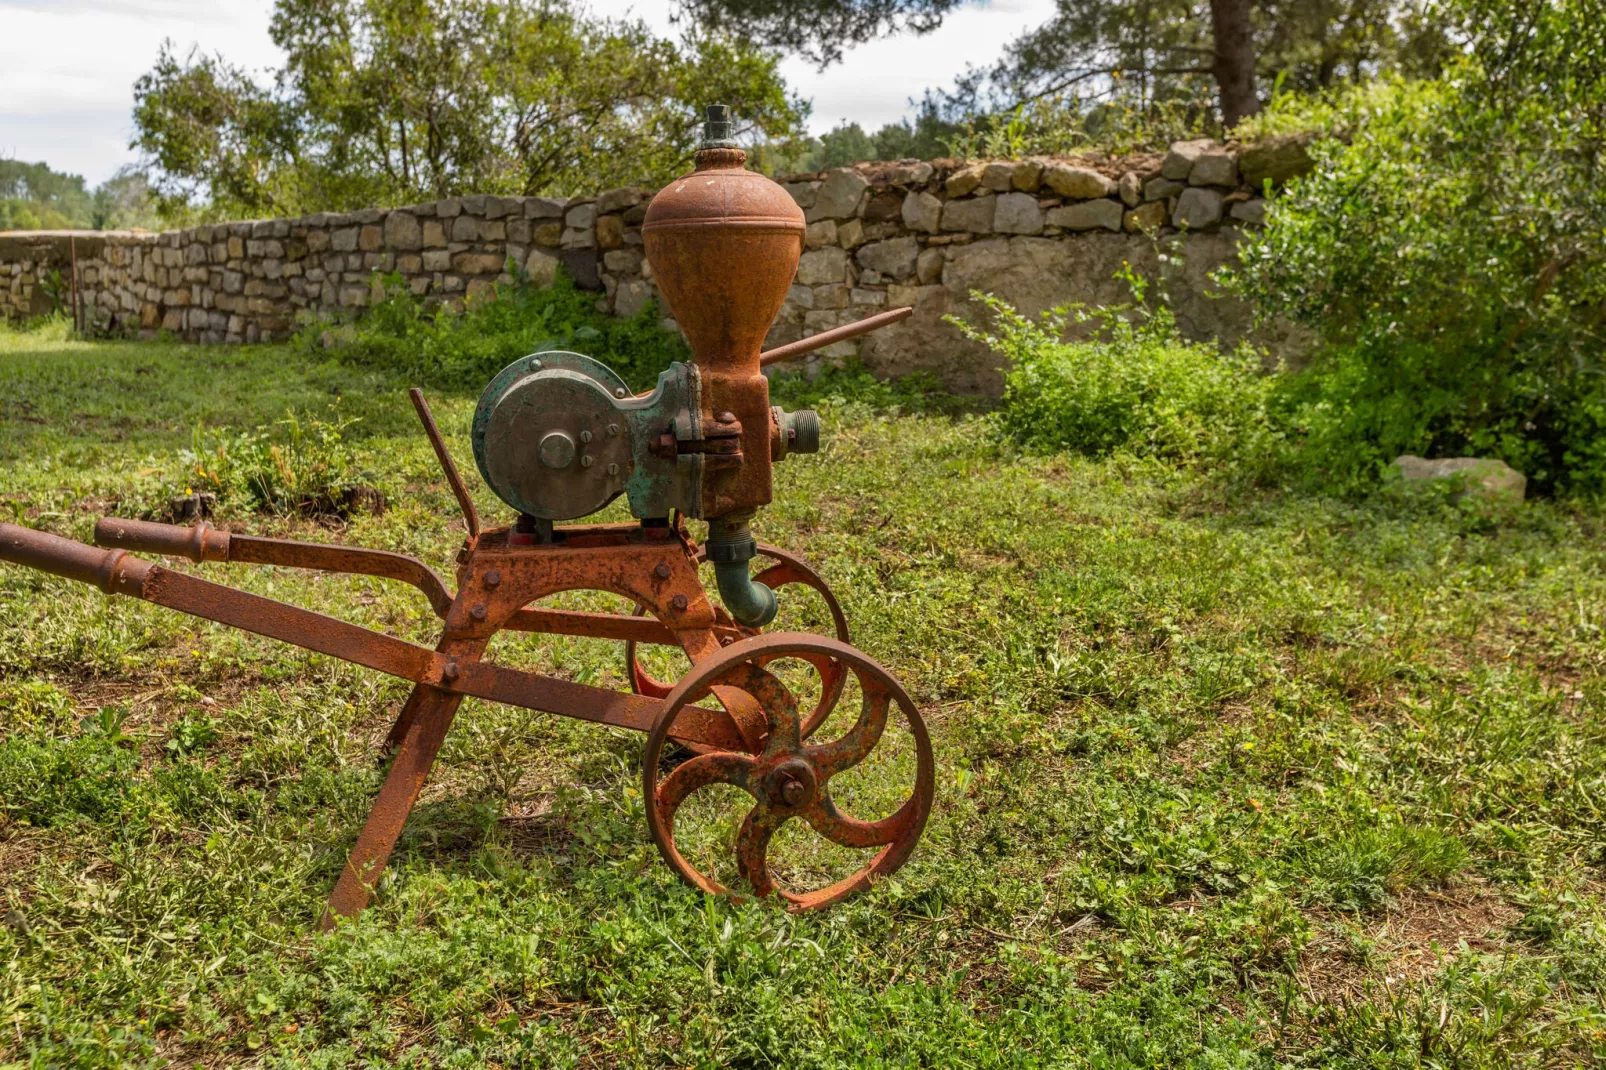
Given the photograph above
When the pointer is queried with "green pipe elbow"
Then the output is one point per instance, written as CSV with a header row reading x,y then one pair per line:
x,y
750,603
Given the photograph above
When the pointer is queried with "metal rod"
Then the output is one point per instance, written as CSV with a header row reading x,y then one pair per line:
x,y
838,334
464,502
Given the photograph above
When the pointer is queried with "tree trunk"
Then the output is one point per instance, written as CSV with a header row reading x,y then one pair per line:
x,y
1234,65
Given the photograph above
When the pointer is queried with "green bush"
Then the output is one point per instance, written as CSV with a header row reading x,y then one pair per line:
x,y
464,349
300,465
1450,252
1136,386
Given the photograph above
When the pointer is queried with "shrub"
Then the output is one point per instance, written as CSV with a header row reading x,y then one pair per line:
x,y
1136,386
464,349
1450,252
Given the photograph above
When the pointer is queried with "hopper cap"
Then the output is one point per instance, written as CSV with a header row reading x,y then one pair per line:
x,y
717,128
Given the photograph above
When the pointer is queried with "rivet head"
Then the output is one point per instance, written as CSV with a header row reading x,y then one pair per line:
x,y
619,393
493,577
662,570
449,671
726,417
535,365
585,460
679,603
477,611
585,436
613,429
613,469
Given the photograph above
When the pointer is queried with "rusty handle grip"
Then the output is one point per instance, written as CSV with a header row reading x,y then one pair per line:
x,y
198,543
836,334
113,571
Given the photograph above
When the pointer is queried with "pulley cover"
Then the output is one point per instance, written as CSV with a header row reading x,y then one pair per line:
x,y
558,436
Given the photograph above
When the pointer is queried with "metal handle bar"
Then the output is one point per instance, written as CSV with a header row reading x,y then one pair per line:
x,y
836,334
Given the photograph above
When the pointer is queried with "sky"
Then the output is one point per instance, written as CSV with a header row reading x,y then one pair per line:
x,y
67,67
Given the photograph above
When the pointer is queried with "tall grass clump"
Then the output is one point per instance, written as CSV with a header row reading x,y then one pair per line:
x,y
438,344
1134,386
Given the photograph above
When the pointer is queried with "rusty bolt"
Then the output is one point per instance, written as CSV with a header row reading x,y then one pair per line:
x,y
585,436
662,570
793,791
449,671
679,603
493,577
613,469
477,611
726,417
613,429
585,460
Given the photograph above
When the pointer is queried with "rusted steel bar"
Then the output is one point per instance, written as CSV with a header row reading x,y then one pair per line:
x,y
113,571
838,334
203,543
464,502
592,625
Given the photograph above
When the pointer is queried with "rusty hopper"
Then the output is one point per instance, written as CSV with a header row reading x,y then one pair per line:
x,y
557,436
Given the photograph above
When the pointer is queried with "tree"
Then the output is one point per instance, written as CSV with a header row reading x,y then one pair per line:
x,y
386,101
1152,49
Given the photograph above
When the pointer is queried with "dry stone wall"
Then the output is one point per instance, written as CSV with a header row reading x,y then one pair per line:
x,y
1034,232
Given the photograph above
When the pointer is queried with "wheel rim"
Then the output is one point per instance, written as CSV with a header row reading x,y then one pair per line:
x,y
788,569
790,778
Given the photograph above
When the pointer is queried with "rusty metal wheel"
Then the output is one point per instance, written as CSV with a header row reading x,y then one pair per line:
x,y
790,777
788,568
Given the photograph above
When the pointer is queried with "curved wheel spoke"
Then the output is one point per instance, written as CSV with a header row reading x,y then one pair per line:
x,y
753,846
780,708
833,674
700,772
839,828
831,758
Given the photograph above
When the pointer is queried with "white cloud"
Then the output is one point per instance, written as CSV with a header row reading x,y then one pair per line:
x,y
69,104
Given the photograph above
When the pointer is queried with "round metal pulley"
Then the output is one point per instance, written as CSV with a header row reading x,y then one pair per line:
x,y
549,438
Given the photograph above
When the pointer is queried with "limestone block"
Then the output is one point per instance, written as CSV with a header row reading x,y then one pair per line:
x,y
344,240
1028,175
964,181
1145,220
1183,155
465,228
1081,182
928,266
1214,169
1018,213
543,208
480,289
850,234
493,230
1486,478
883,207
581,216
1087,215
1159,189
974,216
801,296
578,237
868,297
610,231
542,267
921,211
839,195
518,230
1130,189
820,266
623,261
818,235
895,258
910,173
832,296
477,263
803,193
631,297
369,238
1250,211
1197,208
998,176
317,242
548,234
402,231
409,263
617,200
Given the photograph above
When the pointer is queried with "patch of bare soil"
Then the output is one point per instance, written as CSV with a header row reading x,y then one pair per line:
x,y
1406,943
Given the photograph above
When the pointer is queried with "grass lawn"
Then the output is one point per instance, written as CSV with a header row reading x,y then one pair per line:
x,y
1225,778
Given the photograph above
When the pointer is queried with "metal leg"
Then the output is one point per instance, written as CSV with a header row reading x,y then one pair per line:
x,y
405,719
432,716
